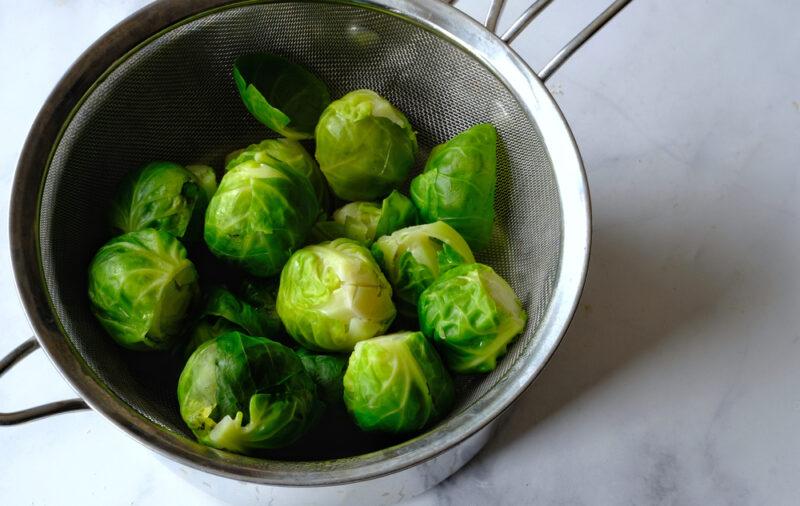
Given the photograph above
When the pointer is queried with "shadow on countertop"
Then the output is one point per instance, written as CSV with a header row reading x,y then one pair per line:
x,y
636,296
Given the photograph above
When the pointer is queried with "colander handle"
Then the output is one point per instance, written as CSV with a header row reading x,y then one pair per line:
x,y
522,22
26,415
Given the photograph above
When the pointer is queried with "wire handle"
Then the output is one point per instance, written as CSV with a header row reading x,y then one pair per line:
x,y
26,415
522,22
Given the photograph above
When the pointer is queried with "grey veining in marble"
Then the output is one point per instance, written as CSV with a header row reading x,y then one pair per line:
x,y
677,382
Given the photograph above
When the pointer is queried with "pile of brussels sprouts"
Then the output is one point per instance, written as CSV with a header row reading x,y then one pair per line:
x,y
282,311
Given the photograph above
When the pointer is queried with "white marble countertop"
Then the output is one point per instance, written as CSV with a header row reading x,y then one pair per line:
x,y
678,380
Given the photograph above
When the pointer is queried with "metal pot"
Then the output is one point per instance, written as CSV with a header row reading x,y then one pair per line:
x,y
438,65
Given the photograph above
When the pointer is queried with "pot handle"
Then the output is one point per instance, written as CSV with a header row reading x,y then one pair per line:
x,y
26,415
518,26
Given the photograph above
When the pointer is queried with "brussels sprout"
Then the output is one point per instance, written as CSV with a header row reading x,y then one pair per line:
x,y
289,152
141,286
358,221
243,393
414,257
458,184
263,295
224,312
161,195
282,95
472,314
365,146
396,383
259,215
206,178
327,372
333,295
366,221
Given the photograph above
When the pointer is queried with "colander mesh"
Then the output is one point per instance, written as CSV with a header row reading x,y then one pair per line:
x,y
174,99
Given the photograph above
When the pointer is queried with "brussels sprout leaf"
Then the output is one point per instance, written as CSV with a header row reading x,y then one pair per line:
x,y
282,95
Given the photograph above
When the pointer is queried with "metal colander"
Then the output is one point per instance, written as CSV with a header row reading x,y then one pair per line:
x,y
162,89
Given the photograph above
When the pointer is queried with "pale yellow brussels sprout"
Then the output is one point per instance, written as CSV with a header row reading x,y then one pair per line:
x,y
333,295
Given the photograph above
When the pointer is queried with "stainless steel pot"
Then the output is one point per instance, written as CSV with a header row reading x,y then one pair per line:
x,y
158,86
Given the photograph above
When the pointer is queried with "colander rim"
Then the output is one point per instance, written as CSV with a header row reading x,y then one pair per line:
x,y
438,18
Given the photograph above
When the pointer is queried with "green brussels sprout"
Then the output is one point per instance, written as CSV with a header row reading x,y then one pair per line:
x,y
366,221
458,184
260,214
327,372
206,178
282,95
358,221
160,195
289,152
224,312
332,295
472,315
141,287
365,146
396,383
243,393
414,257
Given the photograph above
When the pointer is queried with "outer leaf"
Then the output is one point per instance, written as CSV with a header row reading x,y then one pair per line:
x,y
396,384
364,222
332,295
141,286
250,310
243,394
472,314
161,195
397,212
282,95
327,372
260,214
206,178
458,184
414,257
365,146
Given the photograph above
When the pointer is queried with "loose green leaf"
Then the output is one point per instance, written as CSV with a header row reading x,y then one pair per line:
x,y
282,95
327,371
253,313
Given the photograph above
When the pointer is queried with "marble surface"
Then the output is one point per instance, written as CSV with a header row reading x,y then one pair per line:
x,y
677,382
